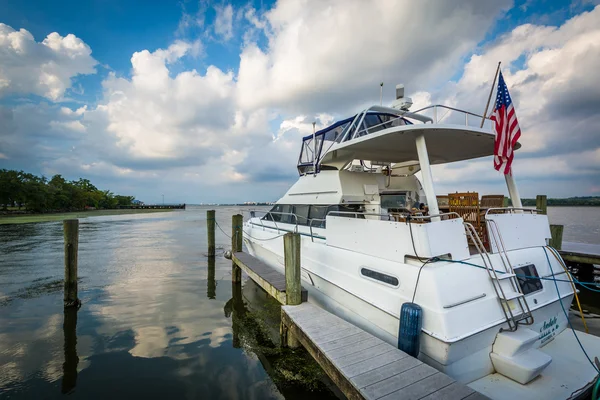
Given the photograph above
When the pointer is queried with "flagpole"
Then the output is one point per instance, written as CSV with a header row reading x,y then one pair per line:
x,y
513,190
490,96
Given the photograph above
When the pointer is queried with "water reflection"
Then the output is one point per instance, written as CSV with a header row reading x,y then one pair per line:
x,y
211,284
255,320
69,379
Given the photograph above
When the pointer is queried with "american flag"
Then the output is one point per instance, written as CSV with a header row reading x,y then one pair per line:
x,y
506,128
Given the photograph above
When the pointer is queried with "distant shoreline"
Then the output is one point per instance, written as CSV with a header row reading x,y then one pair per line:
x,y
52,217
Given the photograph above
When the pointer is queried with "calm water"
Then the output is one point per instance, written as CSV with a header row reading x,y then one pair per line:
x,y
159,320
582,224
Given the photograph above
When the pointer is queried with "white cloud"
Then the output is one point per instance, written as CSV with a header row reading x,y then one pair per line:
x,y
330,56
549,73
76,126
153,116
223,24
44,68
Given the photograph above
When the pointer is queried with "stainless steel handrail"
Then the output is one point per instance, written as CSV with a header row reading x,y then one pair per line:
x,y
436,106
355,135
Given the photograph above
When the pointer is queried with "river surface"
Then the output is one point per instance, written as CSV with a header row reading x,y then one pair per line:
x,y
159,318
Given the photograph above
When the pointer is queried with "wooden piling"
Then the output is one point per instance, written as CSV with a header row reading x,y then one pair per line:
x,y
541,203
557,236
236,245
293,287
210,228
291,250
211,283
71,234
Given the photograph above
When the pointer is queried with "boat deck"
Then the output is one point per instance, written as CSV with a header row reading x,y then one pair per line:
x,y
364,366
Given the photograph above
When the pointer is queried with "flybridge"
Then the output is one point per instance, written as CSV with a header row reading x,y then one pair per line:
x,y
387,135
370,121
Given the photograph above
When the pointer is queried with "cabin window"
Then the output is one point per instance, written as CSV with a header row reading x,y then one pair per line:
x,y
378,276
301,212
317,216
528,279
312,215
280,213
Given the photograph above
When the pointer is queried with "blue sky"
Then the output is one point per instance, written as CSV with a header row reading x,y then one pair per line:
x,y
207,101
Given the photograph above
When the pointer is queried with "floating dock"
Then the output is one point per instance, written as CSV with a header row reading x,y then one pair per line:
x,y
364,366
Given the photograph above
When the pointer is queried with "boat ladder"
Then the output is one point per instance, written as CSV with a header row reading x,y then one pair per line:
x,y
513,301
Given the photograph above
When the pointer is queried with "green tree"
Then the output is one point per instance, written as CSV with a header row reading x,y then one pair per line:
x,y
107,200
60,195
35,192
11,187
40,195
124,200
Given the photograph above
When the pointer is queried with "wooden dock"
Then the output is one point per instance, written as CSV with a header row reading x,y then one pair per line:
x,y
271,280
583,253
364,366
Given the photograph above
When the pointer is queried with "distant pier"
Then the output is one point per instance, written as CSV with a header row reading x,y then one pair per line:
x,y
154,206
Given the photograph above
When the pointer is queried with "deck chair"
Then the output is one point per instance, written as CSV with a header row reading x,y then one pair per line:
x,y
492,201
467,206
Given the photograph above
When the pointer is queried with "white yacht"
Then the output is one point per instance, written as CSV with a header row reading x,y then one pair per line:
x,y
487,320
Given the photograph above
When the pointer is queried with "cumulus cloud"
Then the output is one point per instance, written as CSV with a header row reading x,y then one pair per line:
x,y
155,118
330,56
548,70
44,68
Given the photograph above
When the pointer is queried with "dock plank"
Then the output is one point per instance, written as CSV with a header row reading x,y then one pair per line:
x,y
422,388
338,335
351,348
362,365
452,391
270,279
363,355
385,371
397,382
372,363
344,340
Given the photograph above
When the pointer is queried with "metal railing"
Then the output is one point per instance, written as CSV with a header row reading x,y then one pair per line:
x,y
436,120
360,117
355,214
271,213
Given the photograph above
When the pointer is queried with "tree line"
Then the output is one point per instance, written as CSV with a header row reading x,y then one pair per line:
x,y
38,194
570,201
